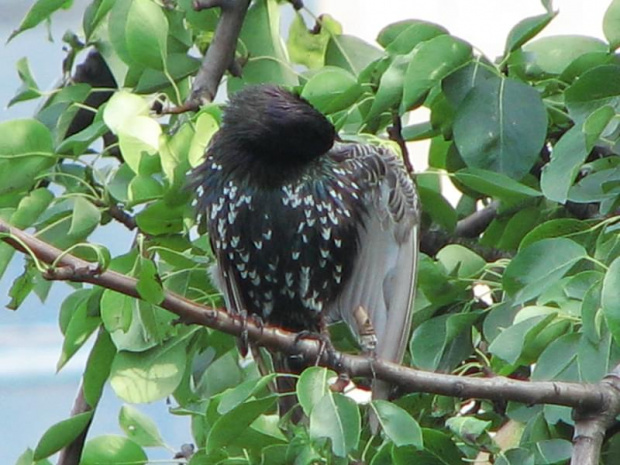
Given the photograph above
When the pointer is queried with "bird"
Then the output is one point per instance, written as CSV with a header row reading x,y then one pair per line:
x,y
307,229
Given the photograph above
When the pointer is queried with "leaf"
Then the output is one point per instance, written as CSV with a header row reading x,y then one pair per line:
x,y
25,151
331,90
430,62
461,261
556,359
98,367
567,156
80,327
116,310
510,344
29,89
439,209
595,88
338,418
312,385
160,218
308,47
390,91
85,217
261,40
400,427
609,299
206,126
495,185
31,207
501,126
552,55
146,34
228,427
139,427
540,265
149,284
402,37
611,25
112,450
39,12
558,227
457,85
350,53
233,397
61,434
525,30
149,376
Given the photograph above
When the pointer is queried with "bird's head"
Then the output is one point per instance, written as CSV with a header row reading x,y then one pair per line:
x,y
276,126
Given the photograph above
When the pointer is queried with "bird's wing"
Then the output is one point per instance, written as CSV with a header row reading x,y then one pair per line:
x,y
384,272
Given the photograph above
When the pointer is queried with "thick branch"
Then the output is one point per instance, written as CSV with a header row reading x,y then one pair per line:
x,y
221,52
582,397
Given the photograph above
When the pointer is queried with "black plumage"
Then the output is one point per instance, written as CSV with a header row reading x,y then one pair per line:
x,y
306,229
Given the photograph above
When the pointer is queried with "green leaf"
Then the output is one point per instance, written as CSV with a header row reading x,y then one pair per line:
x,y
390,91
331,90
467,427
551,55
25,152
160,218
206,126
430,62
85,217
312,385
557,358
116,310
559,227
31,207
112,450
146,33
228,427
338,418
397,424
149,284
42,10
261,40
609,299
144,188
510,344
61,434
350,53
457,85
80,327
611,24
568,154
233,397
98,367
149,376
29,89
540,265
94,14
308,47
139,427
501,126
495,185
526,30
402,37
595,88
461,261
27,458
439,209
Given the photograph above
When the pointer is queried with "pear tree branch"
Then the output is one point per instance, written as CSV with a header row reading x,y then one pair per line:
x,y
595,405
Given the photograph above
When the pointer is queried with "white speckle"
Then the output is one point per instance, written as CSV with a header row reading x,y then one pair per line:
x,y
241,266
322,263
258,244
333,217
288,277
304,238
323,220
244,274
232,216
234,241
311,222
268,308
295,255
338,268
326,233
324,253
304,280
256,281
245,257
338,242
231,255
267,235
272,266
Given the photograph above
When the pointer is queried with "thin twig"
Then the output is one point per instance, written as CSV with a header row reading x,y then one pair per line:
x,y
395,133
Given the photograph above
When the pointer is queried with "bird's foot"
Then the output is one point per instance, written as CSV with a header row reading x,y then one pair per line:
x,y
325,343
366,331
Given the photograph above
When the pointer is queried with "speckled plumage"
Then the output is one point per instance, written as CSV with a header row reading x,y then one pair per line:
x,y
306,229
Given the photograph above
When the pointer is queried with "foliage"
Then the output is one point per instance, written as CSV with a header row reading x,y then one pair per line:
x,y
537,131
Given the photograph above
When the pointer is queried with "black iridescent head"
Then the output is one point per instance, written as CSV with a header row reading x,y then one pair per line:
x,y
276,125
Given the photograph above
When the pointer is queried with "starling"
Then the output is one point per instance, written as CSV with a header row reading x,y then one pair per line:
x,y
306,229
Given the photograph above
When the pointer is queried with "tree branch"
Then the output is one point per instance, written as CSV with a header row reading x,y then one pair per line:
x,y
582,397
220,54
71,454
395,133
